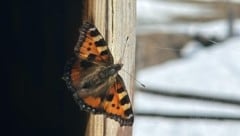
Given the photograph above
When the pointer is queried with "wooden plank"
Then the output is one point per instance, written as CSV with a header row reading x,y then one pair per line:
x,y
115,19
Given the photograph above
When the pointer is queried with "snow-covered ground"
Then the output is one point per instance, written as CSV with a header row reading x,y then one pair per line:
x,y
233,1
149,103
157,11
147,126
212,72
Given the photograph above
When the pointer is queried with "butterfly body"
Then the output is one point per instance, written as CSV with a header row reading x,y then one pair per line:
x,y
94,80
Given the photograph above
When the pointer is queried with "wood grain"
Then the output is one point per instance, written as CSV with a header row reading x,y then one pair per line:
x,y
115,19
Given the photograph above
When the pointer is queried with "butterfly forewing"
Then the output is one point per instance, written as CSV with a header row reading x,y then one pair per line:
x,y
91,46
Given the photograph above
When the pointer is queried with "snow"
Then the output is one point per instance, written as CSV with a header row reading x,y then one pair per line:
x,y
212,71
179,127
232,1
164,11
191,48
145,103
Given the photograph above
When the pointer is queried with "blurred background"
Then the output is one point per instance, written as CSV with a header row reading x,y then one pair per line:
x,y
188,58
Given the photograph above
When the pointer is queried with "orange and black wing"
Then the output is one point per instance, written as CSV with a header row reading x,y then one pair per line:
x,y
91,51
92,47
73,77
89,103
74,72
117,104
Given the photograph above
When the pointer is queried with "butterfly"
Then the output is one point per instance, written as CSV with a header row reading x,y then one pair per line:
x,y
93,78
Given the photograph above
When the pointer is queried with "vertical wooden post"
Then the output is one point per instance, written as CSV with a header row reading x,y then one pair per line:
x,y
115,19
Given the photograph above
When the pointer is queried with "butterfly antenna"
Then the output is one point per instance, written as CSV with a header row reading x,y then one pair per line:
x,y
125,46
214,42
140,83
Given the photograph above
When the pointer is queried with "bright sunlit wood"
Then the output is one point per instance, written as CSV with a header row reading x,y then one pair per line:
x,y
115,19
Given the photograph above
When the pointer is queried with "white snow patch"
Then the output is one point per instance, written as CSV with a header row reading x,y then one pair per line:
x,y
151,103
164,11
213,71
147,126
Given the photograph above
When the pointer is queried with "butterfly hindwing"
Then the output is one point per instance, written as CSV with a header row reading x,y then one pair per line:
x,y
75,71
117,104
89,103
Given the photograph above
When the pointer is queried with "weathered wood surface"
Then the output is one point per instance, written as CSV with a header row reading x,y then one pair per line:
x,y
115,19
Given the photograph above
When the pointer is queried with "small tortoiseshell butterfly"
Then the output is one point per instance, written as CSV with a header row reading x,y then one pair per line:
x,y
94,80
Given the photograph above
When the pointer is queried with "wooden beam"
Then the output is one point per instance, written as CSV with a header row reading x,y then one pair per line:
x,y
115,19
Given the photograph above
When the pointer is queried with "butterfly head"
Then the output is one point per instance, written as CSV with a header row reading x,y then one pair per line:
x,y
117,67
113,69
